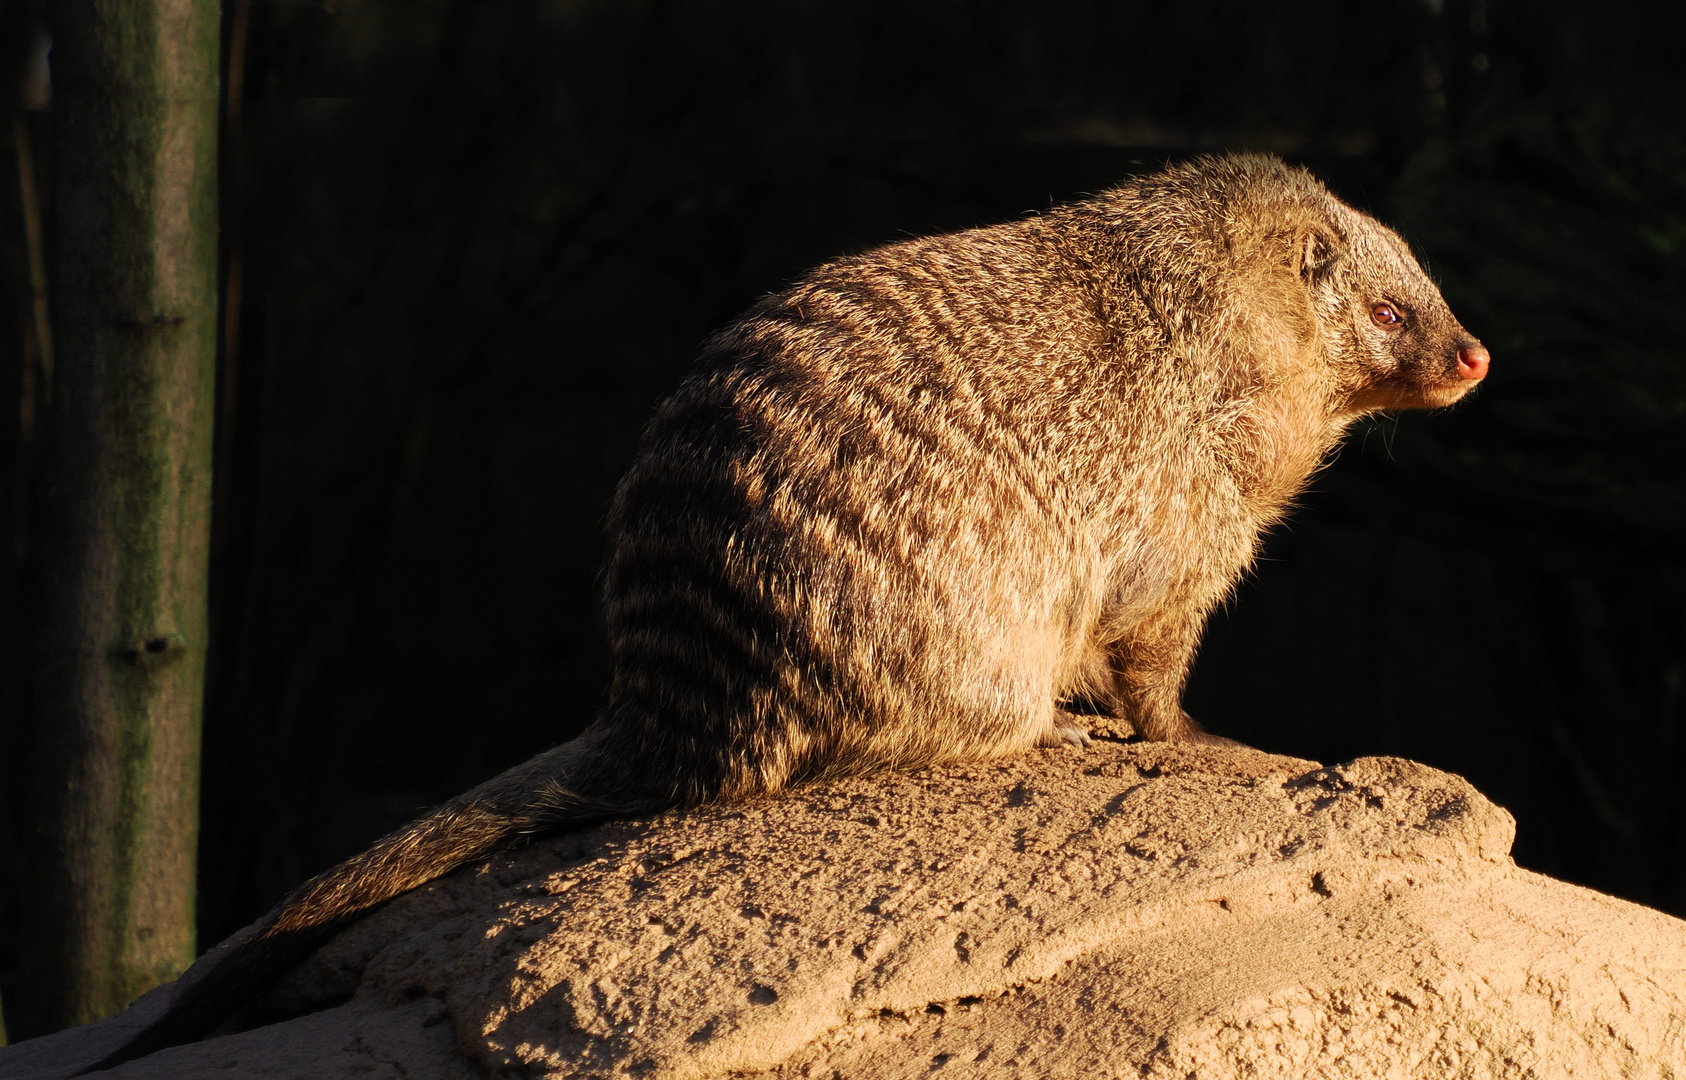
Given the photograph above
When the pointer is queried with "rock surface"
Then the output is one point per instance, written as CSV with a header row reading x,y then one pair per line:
x,y
1141,910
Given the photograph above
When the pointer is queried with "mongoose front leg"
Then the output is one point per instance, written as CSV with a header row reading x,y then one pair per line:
x,y
1150,669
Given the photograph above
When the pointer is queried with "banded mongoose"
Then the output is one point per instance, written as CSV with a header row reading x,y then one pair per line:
x,y
906,510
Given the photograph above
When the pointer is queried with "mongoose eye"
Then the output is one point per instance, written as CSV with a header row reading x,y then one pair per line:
x,y
1385,315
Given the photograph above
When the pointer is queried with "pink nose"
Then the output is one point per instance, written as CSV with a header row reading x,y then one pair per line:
x,y
1472,362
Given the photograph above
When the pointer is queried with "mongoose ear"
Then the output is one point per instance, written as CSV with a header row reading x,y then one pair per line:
x,y
1319,251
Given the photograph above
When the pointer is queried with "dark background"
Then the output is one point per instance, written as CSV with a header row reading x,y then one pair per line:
x,y
470,244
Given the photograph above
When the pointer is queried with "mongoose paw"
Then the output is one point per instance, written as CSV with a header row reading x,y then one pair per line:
x,y
1065,734
1206,738
1190,733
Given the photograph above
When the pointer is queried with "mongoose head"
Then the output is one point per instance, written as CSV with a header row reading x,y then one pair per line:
x,y
1381,333
1389,336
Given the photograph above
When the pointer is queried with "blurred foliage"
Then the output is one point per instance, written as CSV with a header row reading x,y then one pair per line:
x,y
476,242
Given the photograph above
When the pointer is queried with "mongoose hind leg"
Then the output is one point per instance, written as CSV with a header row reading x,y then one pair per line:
x,y
1066,730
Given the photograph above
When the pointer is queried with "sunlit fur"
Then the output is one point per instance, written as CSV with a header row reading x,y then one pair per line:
x,y
904,509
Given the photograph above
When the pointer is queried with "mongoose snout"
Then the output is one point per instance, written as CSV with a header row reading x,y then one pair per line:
x,y
1472,362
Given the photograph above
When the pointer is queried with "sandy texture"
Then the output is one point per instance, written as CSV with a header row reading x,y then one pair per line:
x,y
1120,910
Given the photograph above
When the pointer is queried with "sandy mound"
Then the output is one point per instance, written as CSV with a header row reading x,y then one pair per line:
x,y
1122,910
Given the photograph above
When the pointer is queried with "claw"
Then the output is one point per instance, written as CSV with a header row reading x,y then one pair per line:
x,y
1066,735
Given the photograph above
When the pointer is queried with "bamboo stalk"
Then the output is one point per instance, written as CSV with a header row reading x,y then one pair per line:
x,y
38,376
127,513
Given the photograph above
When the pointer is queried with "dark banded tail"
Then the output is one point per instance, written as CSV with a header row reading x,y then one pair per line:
x,y
538,796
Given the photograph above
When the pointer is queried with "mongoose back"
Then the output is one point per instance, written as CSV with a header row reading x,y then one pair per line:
x,y
909,509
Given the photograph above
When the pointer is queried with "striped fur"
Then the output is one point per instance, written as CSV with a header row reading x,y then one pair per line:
x,y
902,511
